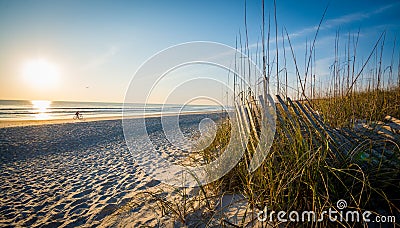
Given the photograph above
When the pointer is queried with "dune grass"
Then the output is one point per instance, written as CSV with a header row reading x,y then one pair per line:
x,y
301,173
365,105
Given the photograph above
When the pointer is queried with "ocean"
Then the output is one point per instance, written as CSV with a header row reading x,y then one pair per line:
x,y
47,110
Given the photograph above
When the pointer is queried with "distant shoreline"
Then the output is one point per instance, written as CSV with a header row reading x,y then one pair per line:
x,y
23,123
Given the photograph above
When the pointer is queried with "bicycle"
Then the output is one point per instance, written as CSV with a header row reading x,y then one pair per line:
x,y
78,117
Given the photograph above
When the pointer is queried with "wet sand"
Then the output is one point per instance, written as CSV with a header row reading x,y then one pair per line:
x,y
19,123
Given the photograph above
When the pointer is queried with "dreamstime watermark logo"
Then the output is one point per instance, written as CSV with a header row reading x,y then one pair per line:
x,y
333,215
191,72
341,204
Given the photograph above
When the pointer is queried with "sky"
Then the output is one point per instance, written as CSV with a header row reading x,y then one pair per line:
x,y
90,50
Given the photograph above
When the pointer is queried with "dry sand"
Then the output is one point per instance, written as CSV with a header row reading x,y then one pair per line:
x,y
73,174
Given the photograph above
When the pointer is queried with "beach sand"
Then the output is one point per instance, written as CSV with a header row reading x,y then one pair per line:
x,y
73,174
19,123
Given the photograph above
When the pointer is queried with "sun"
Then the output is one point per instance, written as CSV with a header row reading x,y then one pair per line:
x,y
40,73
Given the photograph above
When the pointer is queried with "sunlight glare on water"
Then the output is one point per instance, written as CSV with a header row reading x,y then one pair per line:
x,y
41,109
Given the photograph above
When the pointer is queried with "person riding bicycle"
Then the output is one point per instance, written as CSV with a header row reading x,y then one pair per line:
x,y
77,114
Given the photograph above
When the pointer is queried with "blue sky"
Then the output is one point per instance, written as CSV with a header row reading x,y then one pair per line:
x,y
98,45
